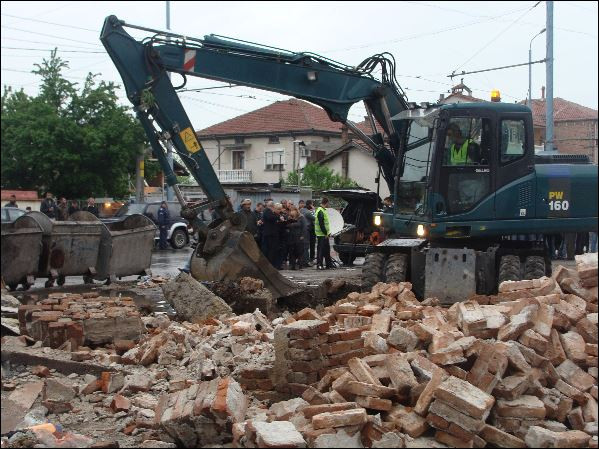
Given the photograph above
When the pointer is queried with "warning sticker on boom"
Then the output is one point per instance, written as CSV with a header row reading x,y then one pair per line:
x,y
189,139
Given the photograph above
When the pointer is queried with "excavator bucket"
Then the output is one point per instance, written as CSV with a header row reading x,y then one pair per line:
x,y
230,254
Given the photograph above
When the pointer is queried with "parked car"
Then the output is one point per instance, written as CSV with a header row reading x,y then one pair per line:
x,y
178,230
354,239
10,214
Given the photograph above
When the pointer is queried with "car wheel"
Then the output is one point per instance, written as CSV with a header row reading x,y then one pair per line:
x,y
178,239
347,258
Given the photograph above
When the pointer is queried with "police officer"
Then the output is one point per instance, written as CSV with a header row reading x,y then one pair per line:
x,y
322,229
48,206
163,222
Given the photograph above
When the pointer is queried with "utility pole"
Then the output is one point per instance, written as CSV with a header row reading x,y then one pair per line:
x,y
530,68
139,177
169,145
549,80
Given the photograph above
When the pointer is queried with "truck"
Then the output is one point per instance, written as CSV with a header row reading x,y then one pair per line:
x,y
464,177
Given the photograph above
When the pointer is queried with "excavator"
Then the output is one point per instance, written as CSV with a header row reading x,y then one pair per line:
x,y
472,201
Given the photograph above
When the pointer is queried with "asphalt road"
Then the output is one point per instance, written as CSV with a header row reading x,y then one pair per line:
x,y
166,263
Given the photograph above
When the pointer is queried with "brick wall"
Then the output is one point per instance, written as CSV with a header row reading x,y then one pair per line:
x,y
572,137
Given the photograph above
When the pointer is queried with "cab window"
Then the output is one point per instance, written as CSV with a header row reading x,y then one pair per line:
x,y
513,140
467,141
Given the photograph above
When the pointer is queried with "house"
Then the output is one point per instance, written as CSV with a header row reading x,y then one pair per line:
x,y
24,198
574,126
460,93
264,145
354,160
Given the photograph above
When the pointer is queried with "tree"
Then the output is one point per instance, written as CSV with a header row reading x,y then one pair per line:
x,y
319,177
75,143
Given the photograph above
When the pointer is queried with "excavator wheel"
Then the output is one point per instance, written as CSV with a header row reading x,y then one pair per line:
x,y
534,267
509,269
373,269
396,268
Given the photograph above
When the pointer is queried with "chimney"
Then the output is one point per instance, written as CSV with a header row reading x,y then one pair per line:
x,y
543,93
344,134
441,97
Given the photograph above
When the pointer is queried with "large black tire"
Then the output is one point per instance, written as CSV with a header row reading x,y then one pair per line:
x,y
509,269
396,268
347,258
179,239
534,267
373,269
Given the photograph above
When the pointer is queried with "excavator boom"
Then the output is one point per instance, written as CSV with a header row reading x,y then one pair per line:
x,y
225,250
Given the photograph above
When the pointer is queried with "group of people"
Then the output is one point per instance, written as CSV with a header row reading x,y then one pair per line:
x,y
287,233
60,210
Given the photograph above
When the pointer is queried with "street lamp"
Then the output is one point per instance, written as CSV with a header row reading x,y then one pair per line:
x,y
530,68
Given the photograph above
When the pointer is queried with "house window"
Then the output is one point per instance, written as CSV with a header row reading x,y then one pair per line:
x,y
316,155
238,162
239,140
273,139
326,139
274,160
345,164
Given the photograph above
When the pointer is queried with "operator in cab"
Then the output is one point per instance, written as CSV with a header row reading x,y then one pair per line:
x,y
460,150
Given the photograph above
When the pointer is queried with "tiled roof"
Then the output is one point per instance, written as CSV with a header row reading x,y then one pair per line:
x,y
563,110
282,116
22,195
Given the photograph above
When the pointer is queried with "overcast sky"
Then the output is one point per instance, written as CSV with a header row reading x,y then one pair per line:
x,y
428,39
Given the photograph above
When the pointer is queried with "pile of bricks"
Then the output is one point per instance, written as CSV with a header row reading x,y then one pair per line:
x,y
513,370
203,413
305,350
68,321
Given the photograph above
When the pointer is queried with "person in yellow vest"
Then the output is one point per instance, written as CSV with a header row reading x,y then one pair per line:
x,y
322,229
461,151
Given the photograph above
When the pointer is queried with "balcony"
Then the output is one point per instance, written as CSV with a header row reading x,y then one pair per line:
x,y
234,176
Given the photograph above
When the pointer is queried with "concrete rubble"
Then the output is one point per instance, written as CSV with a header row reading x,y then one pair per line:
x,y
375,369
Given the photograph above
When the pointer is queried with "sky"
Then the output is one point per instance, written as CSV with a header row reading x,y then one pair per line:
x,y
429,40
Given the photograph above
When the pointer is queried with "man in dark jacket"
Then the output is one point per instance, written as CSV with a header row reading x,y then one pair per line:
x,y
48,206
271,233
251,224
91,207
62,212
308,213
163,222
259,222
74,207
12,202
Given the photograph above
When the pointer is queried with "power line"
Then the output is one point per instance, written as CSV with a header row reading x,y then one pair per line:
x,y
426,34
52,49
49,35
496,37
42,42
49,23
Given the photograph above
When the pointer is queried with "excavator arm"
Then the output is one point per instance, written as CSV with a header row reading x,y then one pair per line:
x,y
225,251
335,87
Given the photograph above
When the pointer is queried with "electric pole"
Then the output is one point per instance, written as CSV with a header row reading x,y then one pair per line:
x,y
169,145
549,80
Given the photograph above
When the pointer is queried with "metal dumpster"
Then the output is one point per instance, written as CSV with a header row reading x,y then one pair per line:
x,y
21,249
70,248
126,248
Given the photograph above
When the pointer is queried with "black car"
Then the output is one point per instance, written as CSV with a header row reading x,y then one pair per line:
x,y
178,229
354,239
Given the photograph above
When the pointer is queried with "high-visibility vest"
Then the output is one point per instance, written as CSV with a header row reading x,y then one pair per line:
x,y
459,156
319,232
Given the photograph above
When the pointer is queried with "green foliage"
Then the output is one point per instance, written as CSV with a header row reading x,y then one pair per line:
x,y
319,177
73,142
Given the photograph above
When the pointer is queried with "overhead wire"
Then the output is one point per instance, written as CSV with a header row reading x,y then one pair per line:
x,y
52,49
42,42
49,35
49,23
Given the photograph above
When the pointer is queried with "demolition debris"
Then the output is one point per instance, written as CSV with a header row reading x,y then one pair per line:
x,y
375,369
